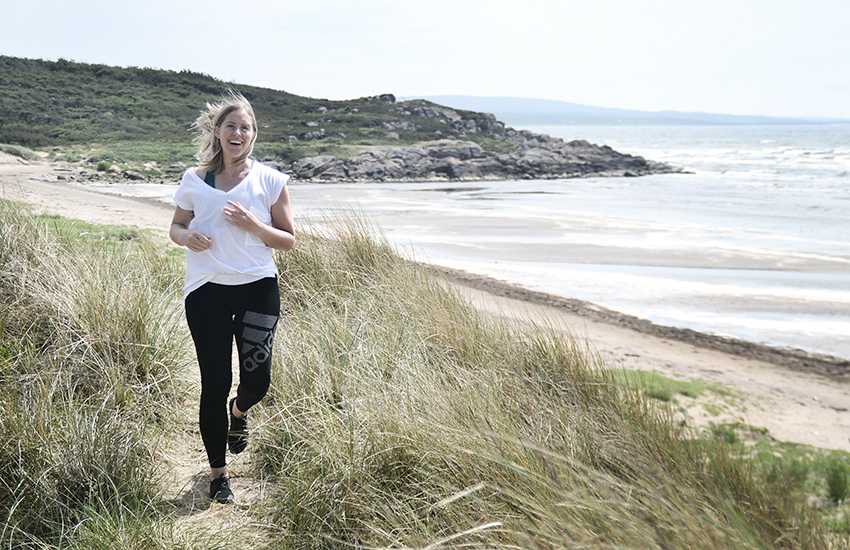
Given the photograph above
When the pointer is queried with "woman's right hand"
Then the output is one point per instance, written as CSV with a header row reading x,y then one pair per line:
x,y
197,242
182,235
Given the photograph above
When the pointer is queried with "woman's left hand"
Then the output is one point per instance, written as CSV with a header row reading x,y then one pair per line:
x,y
238,215
279,235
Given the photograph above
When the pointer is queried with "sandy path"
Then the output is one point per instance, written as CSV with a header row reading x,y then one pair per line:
x,y
794,402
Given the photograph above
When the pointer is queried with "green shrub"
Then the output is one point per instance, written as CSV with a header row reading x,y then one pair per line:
x,y
838,478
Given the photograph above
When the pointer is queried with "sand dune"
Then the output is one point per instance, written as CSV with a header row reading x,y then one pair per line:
x,y
798,397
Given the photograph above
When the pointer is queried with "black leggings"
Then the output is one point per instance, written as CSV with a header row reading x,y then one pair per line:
x,y
216,314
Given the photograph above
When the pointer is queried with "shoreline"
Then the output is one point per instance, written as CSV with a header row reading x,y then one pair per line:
x,y
832,367
835,368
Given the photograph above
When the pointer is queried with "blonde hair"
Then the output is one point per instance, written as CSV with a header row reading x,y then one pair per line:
x,y
209,155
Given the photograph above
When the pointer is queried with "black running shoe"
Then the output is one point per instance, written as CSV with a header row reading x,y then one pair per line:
x,y
220,490
237,437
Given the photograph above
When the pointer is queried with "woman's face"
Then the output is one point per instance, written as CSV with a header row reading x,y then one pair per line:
x,y
235,134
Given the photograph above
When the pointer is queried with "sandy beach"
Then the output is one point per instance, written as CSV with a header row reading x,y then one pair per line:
x,y
797,397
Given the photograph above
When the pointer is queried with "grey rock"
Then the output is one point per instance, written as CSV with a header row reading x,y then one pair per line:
x,y
535,156
384,98
463,150
323,167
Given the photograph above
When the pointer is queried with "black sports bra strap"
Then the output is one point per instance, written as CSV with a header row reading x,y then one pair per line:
x,y
210,179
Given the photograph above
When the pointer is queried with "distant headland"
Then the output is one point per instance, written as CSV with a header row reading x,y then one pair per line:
x,y
133,122
545,112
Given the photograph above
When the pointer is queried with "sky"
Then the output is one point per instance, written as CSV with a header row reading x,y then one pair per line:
x,y
746,57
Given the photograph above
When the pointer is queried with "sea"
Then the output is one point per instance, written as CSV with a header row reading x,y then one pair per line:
x,y
751,241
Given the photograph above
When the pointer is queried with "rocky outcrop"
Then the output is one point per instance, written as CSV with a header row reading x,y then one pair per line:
x,y
461,123
534,157
454,152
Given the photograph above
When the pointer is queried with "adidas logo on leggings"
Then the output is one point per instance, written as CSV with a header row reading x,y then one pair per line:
x,y
257,338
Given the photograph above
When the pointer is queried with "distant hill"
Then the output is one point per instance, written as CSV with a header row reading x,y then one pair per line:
x,y
53,103
541,112
136,120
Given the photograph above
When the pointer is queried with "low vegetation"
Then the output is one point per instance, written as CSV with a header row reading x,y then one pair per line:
x,y
399,416
665,389
18,151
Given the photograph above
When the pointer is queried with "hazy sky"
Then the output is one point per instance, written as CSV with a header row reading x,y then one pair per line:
x,y
759,57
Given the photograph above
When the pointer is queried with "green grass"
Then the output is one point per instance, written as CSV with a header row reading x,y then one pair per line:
x,y
797,469
801,469
398,416
663,388
77,231
838,478
101,155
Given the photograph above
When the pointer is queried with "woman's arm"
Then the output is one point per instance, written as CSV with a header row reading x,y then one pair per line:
x,y
182,235
279,235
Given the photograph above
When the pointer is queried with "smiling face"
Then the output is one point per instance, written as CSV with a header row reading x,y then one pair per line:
x,y
236,135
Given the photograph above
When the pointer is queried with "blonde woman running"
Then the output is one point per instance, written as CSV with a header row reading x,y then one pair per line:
x,y
232,213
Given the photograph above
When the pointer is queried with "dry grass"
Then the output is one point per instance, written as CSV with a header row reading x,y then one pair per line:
x,y
89,348
391,395
399,416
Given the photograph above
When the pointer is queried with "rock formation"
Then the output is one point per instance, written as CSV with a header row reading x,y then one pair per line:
x,y
534,157
456,154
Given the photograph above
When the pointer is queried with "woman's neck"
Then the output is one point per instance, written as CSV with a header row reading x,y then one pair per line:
x,y
232,168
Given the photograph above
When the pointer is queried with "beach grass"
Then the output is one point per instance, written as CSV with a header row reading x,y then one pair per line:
x,y
87,371
18,151
399,415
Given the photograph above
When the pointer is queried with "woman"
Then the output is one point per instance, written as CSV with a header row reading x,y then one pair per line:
x,y
231,213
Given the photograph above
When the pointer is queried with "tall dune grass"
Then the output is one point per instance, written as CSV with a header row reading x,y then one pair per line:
x,y
89,344
401,417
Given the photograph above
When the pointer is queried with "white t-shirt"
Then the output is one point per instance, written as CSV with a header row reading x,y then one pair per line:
x,y
236,256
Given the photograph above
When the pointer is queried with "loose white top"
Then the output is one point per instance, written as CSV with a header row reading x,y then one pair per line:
x,y
236,256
